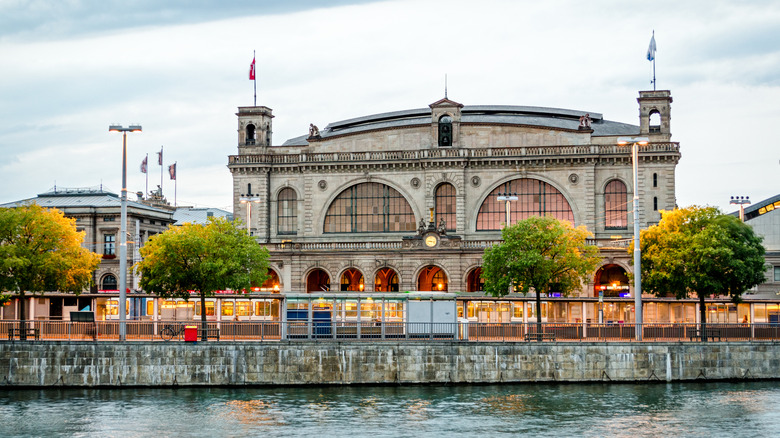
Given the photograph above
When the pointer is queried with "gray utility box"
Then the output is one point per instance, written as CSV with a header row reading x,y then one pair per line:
x,y
432,318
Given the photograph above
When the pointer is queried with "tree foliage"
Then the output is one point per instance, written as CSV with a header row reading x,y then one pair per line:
x,y
699,250
202,258
539,253
40,250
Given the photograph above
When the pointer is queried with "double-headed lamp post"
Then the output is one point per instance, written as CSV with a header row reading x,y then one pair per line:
x,y
248,201
741,201
123,231
636,142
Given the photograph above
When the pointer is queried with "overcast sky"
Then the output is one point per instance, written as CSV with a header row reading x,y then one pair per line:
x,y
70,68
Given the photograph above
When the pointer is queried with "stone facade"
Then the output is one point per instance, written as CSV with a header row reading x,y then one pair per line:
x,y
107,364
490,147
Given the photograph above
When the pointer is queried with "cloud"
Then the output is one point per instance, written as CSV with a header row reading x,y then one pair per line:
x,y
25,20
71,68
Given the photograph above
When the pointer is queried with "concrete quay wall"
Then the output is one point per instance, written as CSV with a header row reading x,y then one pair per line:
x,y
100,364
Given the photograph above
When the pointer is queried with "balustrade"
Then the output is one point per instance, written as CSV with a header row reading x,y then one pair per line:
x,y
508,152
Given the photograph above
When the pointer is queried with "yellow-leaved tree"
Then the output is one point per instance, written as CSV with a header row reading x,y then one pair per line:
x,y
40,251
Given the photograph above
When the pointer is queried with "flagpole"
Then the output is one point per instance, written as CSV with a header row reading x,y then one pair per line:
x,y
653,63
146,193
161,171
255,78
175,184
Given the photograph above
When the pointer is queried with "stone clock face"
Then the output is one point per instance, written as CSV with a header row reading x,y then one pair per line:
x,y
431,241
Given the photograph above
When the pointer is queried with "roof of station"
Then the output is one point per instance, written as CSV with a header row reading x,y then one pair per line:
x,y
760,208
555,118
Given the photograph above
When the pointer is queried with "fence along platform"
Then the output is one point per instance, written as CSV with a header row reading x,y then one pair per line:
x,y
261,331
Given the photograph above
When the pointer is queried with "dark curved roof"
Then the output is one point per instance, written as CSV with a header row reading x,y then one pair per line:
x,y
487,114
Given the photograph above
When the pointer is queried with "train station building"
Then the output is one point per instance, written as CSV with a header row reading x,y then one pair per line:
x,y
408,200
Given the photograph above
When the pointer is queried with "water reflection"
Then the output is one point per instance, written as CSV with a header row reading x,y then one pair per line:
x,y
687,409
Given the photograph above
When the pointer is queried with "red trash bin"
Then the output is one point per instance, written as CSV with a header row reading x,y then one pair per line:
x,y
190,333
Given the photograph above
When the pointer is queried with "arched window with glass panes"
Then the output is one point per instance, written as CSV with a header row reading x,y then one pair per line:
x,y
616,206
445,206
287,211
369,208
534,198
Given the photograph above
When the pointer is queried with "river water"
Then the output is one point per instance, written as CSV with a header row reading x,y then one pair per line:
x,y
750,409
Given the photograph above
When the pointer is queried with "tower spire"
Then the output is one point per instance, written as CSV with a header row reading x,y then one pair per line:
x,y
445,85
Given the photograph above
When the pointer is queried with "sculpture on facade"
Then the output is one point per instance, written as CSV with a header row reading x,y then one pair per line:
x,y
421,228
585,122
442,227
313,130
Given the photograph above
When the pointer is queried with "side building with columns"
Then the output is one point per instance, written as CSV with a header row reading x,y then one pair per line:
x,y
97,213
408,200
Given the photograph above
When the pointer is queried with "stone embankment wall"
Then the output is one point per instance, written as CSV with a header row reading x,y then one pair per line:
x,y
43,364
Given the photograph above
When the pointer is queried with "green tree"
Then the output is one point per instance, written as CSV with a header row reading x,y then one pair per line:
x,y
699,250
203,258
40,250
539,253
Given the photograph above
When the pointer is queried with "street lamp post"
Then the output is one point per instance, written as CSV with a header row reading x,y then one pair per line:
x,y
741,201
248,202
636,142
123,231
508,197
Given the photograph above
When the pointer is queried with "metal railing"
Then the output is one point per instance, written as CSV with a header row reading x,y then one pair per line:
x,y
261,331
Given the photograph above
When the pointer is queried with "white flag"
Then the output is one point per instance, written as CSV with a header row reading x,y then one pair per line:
x,y
651,49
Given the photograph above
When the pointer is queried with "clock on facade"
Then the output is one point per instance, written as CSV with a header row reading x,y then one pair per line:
x,y
431,241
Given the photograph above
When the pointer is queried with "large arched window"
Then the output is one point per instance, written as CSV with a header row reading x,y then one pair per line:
x,y
474,281
109,283
352,280
369,208
317,281
386,280
445,131
534,198
432,278
287,211
445,205
615,203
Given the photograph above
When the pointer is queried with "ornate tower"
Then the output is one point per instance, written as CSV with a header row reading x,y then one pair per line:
x,y
254,127
655,113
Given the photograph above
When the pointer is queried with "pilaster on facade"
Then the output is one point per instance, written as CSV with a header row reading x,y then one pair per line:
x,y
586,177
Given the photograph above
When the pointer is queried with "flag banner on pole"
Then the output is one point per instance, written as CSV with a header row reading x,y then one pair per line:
x,y
159,157
252,70
651,49
144,164
172,170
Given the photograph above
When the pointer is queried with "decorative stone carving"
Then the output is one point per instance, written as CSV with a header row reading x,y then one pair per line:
x,y
322,184
415,182
476,181
574,178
